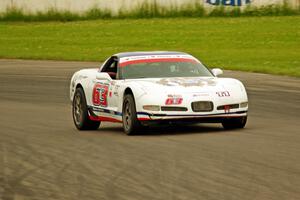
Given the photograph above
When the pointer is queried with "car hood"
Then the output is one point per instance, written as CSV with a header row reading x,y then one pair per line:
x,y
188,85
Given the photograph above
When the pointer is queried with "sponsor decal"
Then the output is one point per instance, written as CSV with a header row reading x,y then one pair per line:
x,y
223,94
228,2
116,90
100,92
200,94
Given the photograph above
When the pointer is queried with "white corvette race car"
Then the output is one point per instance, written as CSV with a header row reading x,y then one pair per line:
x,y
142,88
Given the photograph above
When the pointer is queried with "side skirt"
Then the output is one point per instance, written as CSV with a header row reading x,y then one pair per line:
x,y
108,116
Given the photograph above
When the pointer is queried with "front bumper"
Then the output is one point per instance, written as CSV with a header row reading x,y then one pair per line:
x,y
145,116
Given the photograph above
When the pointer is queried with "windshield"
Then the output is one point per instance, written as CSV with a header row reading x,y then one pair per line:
x,y
166,68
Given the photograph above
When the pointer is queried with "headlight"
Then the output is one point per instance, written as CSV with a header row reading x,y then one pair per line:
x,y
244,105
151,107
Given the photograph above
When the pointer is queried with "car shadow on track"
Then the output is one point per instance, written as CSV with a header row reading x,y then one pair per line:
x,y
169,130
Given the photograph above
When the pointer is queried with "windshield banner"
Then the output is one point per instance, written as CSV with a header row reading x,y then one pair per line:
x,y
156,58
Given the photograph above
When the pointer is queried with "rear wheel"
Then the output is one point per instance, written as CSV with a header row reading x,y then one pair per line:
x,y
80,112
130,122
234,123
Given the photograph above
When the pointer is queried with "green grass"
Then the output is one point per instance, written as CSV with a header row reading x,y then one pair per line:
x,y
257,44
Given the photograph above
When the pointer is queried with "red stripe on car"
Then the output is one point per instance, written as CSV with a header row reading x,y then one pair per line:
x,y
104,119
144,119
157,60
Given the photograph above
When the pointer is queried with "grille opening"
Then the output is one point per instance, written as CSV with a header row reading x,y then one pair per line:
x,y
202,106
173,108
232,106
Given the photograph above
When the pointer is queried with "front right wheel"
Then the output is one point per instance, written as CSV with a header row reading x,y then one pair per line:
x,y
234,123
131,124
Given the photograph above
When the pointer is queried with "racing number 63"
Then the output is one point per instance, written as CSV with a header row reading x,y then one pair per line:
x,y
100,92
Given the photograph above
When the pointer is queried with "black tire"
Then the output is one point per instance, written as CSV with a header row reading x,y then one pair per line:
x,y
80,112
131,124
234,123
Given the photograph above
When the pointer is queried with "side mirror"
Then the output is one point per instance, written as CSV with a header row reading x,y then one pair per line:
x,y
217,71
103,76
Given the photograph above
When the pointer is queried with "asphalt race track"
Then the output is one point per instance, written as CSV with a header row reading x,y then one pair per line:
x,y
43,156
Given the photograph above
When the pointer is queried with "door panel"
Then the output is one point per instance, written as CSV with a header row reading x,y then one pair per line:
x,y
100,94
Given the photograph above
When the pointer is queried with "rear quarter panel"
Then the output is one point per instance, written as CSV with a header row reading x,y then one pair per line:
x,y
84,78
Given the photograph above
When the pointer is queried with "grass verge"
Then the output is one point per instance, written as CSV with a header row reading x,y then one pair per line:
x,y
257,44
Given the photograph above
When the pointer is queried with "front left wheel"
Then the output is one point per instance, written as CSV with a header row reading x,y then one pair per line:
x,y
80,112
131,124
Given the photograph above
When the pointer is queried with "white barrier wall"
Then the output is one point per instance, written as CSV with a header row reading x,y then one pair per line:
x,y
113,5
